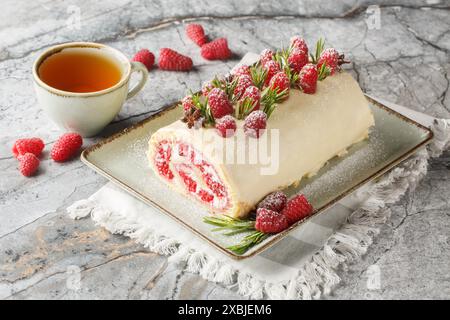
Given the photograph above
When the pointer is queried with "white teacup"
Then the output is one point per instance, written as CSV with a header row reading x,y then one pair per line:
x,y
88,112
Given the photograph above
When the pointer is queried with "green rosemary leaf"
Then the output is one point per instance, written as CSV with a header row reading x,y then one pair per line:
x,y
227,223
248,241
236,226
244,108
324,72
281,57
201,103
319,48
270,98
229,88
258,75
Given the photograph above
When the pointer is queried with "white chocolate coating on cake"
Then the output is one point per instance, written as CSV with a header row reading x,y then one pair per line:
x,y
313,128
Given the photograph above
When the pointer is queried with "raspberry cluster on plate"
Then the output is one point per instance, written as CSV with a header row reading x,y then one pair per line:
x,y
251,93
274,214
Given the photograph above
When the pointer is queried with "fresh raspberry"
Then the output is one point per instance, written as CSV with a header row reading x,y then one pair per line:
x,y
331,58
66,147
187,103
242,70
265,56
308,78
219,104
297,59
207,87
31,145
242,84
296,209
28,164
272,68
216,50
196,33
255,123
253,94
280,82
299,43
171,60
226,126
145,57
269,221
276,201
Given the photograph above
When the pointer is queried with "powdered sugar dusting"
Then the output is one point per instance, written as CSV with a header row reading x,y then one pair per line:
x,y
335,174
275,201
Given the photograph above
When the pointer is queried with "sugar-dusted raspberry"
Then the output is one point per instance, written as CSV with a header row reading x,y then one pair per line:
x,y
276,201
187,103
272,68
207,87
242,84
265,56
226,126
255,123
297,59
219,104
269,221
307,78
297,208
280,82
242,70
299,43
254,95
331,58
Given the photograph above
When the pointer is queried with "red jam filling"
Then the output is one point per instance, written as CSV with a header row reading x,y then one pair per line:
x,y
180,161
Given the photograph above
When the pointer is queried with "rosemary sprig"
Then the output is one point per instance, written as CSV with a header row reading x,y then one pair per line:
x,y
201,104
258,75
323,72
248,241
319,48
244,107
225,85
292,76
235,226
281,57
269,99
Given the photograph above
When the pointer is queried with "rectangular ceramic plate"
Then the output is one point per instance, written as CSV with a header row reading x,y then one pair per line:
x,y
122,159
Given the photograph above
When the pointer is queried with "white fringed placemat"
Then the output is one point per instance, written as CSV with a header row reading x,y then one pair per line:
x,y
302,266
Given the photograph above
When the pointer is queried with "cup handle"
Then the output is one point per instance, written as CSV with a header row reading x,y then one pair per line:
x,y
138,67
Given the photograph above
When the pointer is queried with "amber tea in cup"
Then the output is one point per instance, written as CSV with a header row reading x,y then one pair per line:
x,y
83,85
79,70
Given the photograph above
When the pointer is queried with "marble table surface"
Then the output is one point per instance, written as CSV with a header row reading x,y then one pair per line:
x,y
399,51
